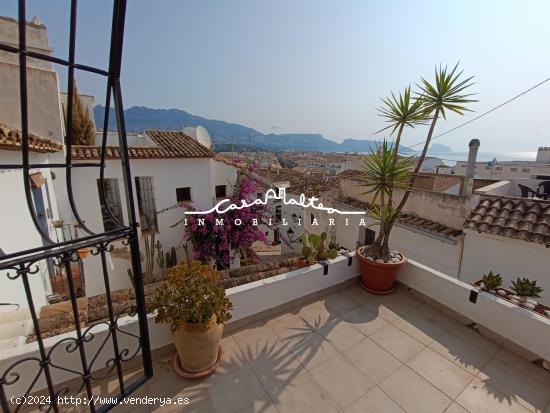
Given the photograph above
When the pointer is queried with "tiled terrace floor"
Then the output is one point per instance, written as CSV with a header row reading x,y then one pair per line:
x,y
355,352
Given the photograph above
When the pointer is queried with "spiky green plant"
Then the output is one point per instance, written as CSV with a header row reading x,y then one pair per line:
x,y
491,281
446,94
381,174
526,288
313,247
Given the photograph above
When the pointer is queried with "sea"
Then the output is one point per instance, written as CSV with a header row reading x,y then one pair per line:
x,y
450,158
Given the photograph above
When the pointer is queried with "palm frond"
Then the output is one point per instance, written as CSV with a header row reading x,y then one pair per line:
x,y
446,93
402,110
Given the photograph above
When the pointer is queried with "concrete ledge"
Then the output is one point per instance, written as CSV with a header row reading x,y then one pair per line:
x,y
518,325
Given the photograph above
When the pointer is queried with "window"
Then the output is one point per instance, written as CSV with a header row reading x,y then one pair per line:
x,y
111,209
499,168
513,169
278,213
146,202
183,194
220,191
311,219
525,170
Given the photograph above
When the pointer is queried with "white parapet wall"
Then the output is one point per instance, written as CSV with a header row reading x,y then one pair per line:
x,y
248,300
518,325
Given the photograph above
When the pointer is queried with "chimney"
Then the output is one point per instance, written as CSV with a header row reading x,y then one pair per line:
x,y
543,155
467,188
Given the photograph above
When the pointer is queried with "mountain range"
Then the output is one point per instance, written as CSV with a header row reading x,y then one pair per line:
x,y
140,118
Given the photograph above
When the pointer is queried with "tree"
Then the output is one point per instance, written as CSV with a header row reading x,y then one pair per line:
x,y
82,127
383,171
382,176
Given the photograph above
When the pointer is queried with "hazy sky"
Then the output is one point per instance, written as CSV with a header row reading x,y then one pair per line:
x,y
319,66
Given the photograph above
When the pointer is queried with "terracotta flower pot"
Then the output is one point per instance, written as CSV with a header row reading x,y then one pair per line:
x,y
83,252
301,263
378,278
198,344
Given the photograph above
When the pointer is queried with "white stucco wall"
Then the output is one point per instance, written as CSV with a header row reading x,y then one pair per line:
x,y
509,257
18,231
201,174
44,113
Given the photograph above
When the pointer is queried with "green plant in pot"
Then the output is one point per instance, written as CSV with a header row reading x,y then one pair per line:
x,y
491,281
196,307
313,248
525,289
389,177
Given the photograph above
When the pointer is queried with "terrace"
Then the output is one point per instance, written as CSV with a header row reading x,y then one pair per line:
x,y
343,349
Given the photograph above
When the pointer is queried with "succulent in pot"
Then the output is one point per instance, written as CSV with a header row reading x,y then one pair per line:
x,y
491,281
313,248
196,307
525,289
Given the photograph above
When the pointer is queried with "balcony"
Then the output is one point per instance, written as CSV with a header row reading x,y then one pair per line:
x,y
348,350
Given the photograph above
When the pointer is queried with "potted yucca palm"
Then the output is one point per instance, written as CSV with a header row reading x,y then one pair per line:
x,y
386,172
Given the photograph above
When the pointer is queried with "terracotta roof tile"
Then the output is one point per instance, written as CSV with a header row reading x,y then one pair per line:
x,y
171,144
11,139
515,218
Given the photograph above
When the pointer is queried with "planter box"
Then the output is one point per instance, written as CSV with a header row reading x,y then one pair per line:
x,y
516,324
539,309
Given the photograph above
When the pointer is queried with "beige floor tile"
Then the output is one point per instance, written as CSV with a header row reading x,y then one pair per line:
x,y
398,343
303,394
235,392
391,307
263,405
344,382
514,384
440,372
413,393
340,334
311,349
419,328
456,408
288,325
480,398
461,352
364,320
474,338
339,302
375,401
198,402
274,363
372,360
254,336
357,293
315,315
434,316
536,372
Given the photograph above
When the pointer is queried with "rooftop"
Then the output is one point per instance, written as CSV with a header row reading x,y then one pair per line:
x,y
355,352
11,139
170,144
524,219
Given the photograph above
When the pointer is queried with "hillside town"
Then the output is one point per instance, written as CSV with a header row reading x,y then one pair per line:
x,y
458,222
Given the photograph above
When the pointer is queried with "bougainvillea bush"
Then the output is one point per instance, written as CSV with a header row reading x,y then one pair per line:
x,y
213,242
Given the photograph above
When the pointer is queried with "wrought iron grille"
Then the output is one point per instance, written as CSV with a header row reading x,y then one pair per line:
x,y
22,265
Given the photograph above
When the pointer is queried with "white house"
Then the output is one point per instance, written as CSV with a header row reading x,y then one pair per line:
x,y
169,171
18,231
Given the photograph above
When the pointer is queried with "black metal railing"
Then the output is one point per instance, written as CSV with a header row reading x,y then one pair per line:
x,y
21,266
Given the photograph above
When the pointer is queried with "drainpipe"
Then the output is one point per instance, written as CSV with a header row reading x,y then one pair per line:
x,y
468,186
